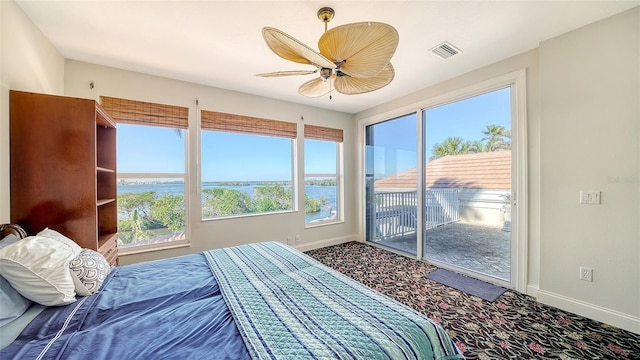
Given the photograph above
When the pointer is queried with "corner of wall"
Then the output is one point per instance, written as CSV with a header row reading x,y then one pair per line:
x,y
44,72
326,242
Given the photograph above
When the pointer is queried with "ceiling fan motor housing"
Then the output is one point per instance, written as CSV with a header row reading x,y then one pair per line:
x,y
326,14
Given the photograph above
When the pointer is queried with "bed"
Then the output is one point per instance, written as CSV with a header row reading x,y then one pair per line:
x,y
256,301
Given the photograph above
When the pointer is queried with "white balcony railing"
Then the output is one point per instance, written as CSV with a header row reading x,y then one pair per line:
x,y
395,212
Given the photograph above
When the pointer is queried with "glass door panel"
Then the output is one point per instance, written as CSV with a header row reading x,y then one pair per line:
x,y
391,179
468,184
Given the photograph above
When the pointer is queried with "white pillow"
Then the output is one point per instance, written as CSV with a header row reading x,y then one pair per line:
x,y
52,234
88,270
38,267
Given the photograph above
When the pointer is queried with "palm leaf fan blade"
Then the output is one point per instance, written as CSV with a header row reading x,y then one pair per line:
x,y
287,73
351,86
367,47
291,49
316,87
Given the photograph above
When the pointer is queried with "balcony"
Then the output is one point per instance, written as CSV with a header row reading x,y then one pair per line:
x,y
462,228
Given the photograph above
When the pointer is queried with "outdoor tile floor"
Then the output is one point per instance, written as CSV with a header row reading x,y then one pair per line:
x,y
481,249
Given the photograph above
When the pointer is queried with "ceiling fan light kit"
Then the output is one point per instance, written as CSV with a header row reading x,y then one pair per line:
x,y
353,58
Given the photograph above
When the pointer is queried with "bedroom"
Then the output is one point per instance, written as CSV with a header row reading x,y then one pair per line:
x,y
561,235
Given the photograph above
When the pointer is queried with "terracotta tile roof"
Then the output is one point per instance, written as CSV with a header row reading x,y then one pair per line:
x,y
403,179
486,170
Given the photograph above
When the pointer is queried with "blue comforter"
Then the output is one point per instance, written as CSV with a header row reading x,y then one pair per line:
x,y
167,309
286,305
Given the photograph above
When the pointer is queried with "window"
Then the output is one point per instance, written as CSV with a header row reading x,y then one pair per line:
x,y
322,180
247,165
151,161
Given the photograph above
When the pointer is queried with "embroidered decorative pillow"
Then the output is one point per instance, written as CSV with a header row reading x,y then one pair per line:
x,y
89,269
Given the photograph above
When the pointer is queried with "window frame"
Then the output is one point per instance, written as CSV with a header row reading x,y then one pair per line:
x,y
239,124
338,175
163,116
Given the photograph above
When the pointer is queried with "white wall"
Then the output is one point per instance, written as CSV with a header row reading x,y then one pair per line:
x,y
583,114
590,131
226,232
28,62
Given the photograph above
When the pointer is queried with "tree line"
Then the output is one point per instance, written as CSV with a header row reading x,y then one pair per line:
x,y
140,214
496,138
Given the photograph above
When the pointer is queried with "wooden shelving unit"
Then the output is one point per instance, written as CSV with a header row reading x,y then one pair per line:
x,y
63,169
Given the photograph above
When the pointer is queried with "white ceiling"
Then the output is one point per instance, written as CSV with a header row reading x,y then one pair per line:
x,y
219,43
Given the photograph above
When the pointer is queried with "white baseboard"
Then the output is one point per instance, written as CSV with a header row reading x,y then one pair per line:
x,y
595,312
325,242
532,290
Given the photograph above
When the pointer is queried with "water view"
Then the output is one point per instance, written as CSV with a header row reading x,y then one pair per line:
x,y
175,188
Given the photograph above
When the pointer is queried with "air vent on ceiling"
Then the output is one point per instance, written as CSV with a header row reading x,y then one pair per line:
x,y
445,50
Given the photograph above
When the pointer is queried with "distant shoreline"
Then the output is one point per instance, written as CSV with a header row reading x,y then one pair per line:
x,y
323,182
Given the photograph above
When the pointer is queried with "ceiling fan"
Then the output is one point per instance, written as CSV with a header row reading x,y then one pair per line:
x,y
353,58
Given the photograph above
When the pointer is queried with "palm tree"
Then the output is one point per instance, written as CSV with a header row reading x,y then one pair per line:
x,y
451,146
497,137
479,146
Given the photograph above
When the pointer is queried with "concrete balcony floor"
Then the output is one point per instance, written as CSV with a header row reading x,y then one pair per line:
x,y
482,249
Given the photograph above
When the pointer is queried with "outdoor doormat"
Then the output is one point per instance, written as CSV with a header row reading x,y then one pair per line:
x,y
478,288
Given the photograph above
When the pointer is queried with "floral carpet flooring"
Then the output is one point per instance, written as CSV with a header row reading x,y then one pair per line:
x,y
515,326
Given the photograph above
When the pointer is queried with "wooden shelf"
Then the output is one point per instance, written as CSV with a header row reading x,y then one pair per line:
x,y
103,118
101,202
105,238
101,169
73,188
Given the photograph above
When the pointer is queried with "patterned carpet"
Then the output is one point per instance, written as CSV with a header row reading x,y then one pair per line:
x,y
513,327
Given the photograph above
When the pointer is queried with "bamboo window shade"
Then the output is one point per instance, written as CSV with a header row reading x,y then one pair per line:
x,y
217,121
323,133
146,113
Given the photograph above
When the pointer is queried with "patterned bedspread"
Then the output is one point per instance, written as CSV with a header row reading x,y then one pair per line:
x,y
289,306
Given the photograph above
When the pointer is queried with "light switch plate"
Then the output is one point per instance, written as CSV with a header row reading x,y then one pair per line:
x,y
590,197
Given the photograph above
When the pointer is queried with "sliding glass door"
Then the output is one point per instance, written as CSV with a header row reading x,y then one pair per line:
x,y
468,184
461,215
441,183
391,179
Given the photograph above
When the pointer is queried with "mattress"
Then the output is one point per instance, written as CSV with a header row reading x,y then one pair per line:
x,y
213,305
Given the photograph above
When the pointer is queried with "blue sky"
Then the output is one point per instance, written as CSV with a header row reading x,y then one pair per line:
x,y
468,118
395,147
142,149
225,156
238,157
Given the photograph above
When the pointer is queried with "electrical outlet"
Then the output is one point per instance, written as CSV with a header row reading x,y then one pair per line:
x,y
297,238
289,240
586,274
